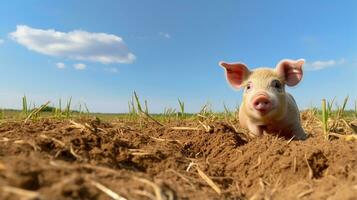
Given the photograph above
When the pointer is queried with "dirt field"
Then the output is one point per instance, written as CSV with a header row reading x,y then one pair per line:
x,y
90,159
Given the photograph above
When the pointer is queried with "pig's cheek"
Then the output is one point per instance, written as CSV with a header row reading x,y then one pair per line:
x,y
249,100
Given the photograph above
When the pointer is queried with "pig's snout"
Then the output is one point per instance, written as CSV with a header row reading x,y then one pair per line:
x,y
262,103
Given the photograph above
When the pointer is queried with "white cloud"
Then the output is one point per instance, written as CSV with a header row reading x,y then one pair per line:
x,y
1,41
60,65
165,35
80,66
319,65
111,69
77,45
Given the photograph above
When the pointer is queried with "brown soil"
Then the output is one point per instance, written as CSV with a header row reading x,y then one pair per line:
x,y
58,159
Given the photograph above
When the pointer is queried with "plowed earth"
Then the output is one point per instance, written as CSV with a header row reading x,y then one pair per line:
x,y
90,159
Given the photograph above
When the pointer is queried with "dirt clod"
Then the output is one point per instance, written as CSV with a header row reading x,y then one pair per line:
x,y
318,163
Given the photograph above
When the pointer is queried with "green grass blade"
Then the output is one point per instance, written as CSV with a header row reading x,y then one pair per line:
x,y
325,116
138,104
24,105
146,107
182,108
68,108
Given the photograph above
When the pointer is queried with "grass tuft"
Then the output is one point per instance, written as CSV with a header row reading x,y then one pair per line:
x,y
182,109
35,112
144,114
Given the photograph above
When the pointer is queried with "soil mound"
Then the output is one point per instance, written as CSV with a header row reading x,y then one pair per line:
x,y
91,159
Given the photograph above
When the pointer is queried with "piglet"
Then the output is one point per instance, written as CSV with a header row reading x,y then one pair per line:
x,y
266,107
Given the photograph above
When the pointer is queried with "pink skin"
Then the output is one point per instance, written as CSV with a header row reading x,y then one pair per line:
x,y
266,107
262,103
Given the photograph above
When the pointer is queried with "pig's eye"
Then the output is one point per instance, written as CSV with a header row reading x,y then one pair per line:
x,y
249,86
276,84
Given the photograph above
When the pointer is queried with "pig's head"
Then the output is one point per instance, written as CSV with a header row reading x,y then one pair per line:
x,y
264,96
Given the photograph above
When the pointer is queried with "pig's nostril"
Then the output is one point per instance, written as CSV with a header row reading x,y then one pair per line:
x,y
261,102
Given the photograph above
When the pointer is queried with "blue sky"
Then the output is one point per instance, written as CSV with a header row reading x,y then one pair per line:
x,y
166,50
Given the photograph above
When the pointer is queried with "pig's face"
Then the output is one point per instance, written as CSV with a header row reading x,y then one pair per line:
x,y
264,96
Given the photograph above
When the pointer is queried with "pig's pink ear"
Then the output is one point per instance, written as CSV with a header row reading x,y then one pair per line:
x,y
290,70
235,73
